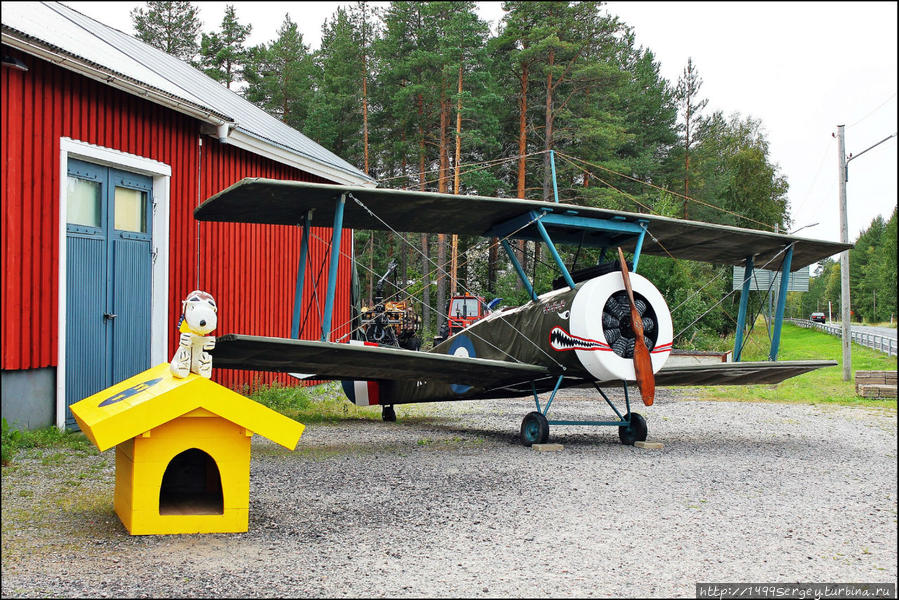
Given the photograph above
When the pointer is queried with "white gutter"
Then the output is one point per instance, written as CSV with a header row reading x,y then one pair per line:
x,y
256,145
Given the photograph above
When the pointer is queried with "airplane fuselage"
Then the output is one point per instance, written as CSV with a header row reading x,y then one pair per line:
x,y
582,333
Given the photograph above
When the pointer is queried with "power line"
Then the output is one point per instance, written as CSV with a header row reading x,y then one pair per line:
x,y
879,106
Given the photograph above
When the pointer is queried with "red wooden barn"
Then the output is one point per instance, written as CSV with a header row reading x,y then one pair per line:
x,y
108,146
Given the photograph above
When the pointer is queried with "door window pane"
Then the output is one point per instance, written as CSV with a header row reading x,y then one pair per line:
x,y
130,210
83,202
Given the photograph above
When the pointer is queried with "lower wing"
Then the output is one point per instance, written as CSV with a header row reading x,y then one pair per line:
x,y
496,379
328,360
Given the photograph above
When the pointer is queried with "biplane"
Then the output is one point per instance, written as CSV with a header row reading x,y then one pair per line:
x,y
604,326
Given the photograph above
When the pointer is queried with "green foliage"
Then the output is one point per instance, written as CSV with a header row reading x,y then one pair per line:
x,y
872,278
733,180
222,53
820,386
14,440
319,404
170,26
872,271
383,93
280,76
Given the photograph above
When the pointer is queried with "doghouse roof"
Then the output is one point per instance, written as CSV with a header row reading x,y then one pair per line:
x,y
155,397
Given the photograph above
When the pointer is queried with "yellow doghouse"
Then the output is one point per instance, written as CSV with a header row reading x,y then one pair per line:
x,y
182,450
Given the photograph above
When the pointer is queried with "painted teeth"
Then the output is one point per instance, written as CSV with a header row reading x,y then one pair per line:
x,y
559,339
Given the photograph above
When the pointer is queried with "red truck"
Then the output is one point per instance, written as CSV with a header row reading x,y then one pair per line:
x,y
463,311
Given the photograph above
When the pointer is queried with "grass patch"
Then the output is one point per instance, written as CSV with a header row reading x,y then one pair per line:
x,y
324,403
820,386
14,440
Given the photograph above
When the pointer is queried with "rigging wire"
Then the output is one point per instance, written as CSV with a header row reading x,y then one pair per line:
x,y
730,212
443,271
440,269
654,238
696,320
570,160
483,165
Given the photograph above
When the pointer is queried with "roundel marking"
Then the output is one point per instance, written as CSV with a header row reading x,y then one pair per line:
x,y
462,347
140,387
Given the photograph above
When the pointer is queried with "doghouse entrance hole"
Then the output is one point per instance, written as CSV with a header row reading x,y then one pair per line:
x,y
191,485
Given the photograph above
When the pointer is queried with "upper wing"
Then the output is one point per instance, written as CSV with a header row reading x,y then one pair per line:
x,y
328,360
278,202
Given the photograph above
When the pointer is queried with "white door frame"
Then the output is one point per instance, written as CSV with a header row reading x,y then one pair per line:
x,y
161,174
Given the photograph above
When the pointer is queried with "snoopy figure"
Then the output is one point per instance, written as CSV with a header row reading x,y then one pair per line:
x,y
199,316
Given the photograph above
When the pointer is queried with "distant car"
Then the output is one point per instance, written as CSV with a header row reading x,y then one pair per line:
x,y
818,317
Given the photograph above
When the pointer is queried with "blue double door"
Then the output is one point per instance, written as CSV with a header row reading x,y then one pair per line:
x,y
109,261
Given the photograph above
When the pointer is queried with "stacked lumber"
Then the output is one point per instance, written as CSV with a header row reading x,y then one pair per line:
x,y
875,384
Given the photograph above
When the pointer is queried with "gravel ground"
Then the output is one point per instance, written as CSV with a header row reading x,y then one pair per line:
x,y
447,503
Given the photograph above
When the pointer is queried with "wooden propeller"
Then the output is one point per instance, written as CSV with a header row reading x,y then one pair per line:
x,y
642,361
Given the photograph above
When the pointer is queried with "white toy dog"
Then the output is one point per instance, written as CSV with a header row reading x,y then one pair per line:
x,y
198,319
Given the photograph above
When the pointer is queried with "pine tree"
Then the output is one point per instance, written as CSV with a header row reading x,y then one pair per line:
x,y
223,53
280,78
170,26
338,116
688,86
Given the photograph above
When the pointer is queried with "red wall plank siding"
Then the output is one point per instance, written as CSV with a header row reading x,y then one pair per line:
x,y
250,269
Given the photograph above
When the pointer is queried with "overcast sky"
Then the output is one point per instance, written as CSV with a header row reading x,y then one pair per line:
x,y
802,68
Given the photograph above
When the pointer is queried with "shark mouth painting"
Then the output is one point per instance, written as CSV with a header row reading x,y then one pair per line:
x,y
560,340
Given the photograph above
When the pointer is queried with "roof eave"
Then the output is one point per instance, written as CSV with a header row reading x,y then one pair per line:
x,y
257,145
237,137
112,78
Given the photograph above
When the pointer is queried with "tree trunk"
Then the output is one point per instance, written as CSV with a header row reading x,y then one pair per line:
x,y
404,265
687,158
522,151
442,188
548,144
365,111
425,264
491,265
454,255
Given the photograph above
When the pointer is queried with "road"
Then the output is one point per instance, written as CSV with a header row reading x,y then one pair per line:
x,y
863,334
889,332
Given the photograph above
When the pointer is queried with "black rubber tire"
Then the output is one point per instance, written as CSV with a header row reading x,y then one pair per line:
x,y
635,432
388,414
534,429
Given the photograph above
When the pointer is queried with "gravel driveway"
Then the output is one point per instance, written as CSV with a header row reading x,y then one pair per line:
x,y
447,503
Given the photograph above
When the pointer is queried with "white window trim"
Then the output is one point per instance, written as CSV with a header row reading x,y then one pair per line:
x,y
161,174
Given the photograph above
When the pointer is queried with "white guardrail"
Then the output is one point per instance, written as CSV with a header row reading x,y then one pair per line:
x,y
871,340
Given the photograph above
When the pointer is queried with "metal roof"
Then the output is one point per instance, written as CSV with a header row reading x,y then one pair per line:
x,y
65,30
278,202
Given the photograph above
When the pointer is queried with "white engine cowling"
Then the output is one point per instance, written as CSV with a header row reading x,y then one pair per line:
x,y
600,326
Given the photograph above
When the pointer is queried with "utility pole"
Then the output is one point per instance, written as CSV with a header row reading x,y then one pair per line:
x,y
844,256
844,237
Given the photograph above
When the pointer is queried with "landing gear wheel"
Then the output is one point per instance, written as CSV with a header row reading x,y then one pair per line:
x,y
534,429
388,414
635,432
